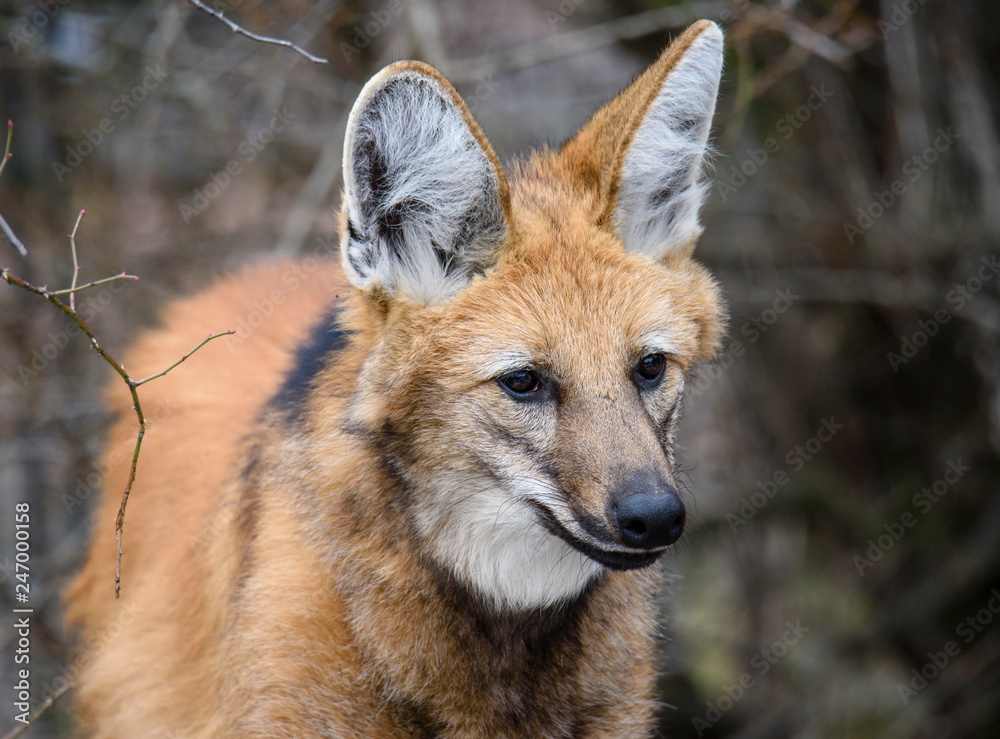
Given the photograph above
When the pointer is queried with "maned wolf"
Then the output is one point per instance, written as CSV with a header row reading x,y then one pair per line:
x,y
424,500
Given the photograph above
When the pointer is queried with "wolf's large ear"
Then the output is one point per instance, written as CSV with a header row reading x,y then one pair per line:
x,y
426,203
643,151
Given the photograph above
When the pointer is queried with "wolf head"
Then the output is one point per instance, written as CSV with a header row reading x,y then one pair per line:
x,y
532,331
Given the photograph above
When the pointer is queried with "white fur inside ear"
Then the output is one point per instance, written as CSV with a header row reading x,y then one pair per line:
x,y
422,196
661,188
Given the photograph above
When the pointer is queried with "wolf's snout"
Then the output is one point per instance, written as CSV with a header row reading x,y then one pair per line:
x,y
649,521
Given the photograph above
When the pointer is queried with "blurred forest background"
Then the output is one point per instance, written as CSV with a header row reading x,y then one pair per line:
x,y
838,577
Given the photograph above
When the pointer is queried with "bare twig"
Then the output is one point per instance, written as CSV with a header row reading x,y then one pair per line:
x,y
204,341
72,290
6,153
3,223
76,263
13,239
137,407
68,309
236,28
46,705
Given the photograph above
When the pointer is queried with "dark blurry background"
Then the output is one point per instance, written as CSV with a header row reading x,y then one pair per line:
x,y
837,578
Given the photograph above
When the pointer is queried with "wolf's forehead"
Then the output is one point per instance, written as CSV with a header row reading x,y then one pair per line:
x,y
605,296
573,317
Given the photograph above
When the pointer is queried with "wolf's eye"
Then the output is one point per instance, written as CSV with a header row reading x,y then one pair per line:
x,y
650,367
521,382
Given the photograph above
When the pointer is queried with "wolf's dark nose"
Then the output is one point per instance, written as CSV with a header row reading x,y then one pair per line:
x,y
648,521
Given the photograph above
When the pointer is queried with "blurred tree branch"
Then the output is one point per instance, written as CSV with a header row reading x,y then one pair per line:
x,y
3,223
236,28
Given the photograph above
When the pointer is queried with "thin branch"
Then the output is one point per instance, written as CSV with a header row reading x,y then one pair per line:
x,y
144,380
137,407
3,223
6,153
103,353
236,28
14,280
69,310
76,264
95,283
46,705
13,239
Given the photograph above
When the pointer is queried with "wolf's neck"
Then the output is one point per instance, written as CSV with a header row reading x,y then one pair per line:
x,y
428,635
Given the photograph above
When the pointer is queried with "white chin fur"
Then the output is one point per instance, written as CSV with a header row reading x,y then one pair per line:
x,y
493,543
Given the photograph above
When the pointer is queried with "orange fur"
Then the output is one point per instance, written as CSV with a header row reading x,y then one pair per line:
x,y
283,571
